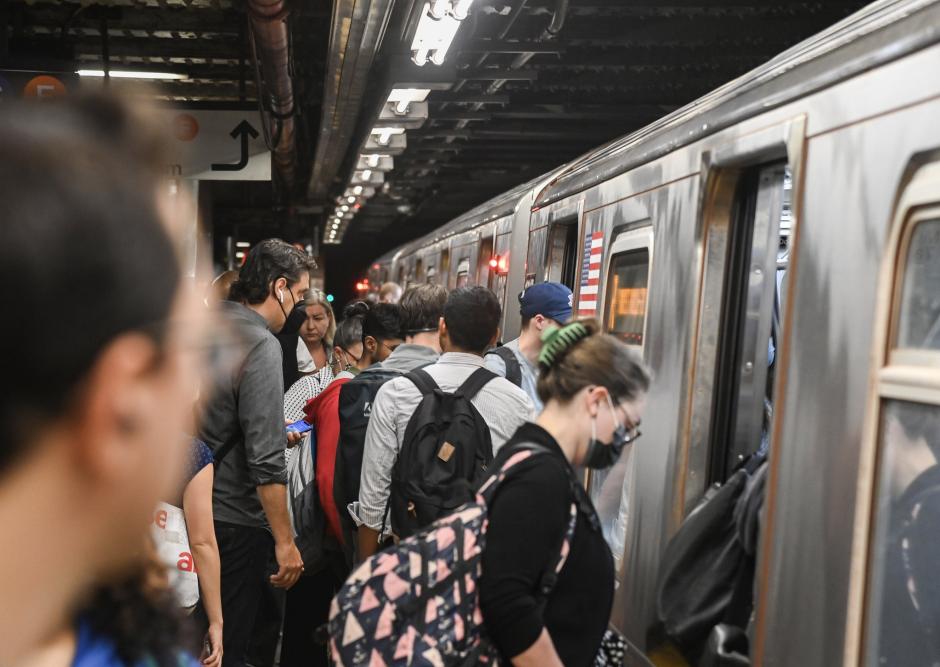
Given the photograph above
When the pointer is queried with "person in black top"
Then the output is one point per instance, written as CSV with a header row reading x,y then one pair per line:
x,y
593,388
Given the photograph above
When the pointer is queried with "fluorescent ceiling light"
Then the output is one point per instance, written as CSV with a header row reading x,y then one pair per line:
x,y
367,174
351,199
242,244
239,255
357,190
436,30
344,208
401,98
132,74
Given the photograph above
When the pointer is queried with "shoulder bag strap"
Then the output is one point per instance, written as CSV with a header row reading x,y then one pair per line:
x,y
513,368
424,382
473,384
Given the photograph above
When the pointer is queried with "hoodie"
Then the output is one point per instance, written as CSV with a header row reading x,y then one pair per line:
x,y
408,356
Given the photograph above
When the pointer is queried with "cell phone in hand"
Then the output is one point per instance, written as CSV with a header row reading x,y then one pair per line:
x,y
299,426
206,648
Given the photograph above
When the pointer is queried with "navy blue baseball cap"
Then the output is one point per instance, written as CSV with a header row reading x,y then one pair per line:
x,y
552,300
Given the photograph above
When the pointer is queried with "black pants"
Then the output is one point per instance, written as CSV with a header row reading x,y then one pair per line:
x,y
307,608
247,558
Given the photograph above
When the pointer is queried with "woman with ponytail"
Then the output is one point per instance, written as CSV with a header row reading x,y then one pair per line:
x,y
593,388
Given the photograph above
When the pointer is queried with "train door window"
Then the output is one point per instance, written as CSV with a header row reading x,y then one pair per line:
x,y
401,276
419,270
463,272
432,275
625,303
486,254
746,349
903,598
563,253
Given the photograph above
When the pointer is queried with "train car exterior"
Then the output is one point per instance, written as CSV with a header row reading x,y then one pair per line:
x,y
773,250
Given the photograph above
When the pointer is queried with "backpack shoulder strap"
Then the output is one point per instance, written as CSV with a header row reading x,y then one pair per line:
x,y
473,384
513,369
424,382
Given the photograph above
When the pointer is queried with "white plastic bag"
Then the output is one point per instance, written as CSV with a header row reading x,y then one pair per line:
x,y
172,542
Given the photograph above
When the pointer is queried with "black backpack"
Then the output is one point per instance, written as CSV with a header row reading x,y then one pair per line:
x,y
513,368
707,570
356,398
444,454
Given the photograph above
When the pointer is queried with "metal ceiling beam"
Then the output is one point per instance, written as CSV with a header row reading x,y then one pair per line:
x,y
466,98
357,30
493,74
507,46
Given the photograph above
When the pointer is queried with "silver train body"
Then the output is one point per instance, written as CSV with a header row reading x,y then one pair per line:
x,y
816,169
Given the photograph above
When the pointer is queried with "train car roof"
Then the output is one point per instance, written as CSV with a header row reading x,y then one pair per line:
x,y
498,207
881,32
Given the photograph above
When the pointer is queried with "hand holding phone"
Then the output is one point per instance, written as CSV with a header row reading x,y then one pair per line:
x,y
299,426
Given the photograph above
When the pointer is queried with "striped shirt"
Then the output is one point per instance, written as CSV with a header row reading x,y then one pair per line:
x,y
504,406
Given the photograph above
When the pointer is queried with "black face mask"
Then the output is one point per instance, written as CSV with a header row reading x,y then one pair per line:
x,y
602,455
295,318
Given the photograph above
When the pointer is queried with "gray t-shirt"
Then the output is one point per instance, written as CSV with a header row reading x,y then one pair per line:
x,y
246,407
530,373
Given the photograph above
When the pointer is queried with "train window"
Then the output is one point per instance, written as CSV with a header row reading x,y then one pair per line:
x,y
746,349
919,326
563,253
903,596
625,312
432,275
463,273
905,591
419,270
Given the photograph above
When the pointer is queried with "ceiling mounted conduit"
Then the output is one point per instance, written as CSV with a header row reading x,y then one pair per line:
x,y
271,41
355,37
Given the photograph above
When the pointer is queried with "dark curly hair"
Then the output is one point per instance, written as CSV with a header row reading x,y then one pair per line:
x,y
269,260
140,616
472,317
382,322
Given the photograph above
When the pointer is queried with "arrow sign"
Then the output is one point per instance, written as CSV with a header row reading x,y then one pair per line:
x,y
244,130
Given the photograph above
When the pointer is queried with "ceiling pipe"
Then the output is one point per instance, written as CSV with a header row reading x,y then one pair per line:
x,y
268,20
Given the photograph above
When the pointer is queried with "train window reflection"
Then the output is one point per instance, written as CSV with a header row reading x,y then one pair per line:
x,y
919,323
626,296
905,595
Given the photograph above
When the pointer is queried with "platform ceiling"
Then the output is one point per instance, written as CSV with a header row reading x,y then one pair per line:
x,y
518,100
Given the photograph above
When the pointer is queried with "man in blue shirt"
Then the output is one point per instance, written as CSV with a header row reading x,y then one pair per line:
x,y
541,305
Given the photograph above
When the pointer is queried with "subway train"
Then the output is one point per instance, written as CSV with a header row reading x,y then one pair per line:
x,y
773,251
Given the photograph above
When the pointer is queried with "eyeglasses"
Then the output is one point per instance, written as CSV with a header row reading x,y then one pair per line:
x,y
632,428
390,348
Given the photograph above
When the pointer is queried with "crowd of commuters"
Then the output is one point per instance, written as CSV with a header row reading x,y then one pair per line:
x,y
165,400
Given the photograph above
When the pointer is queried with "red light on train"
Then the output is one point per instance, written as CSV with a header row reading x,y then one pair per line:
x,y
499,264
362,286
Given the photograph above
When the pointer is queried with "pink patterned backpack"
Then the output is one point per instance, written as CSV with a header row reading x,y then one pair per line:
x,y
417,603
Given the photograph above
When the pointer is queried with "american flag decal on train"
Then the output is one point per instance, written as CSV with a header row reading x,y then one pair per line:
x,y
590,273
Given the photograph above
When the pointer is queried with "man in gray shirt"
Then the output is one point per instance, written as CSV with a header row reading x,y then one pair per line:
x,y
542,306
470,326
242,422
